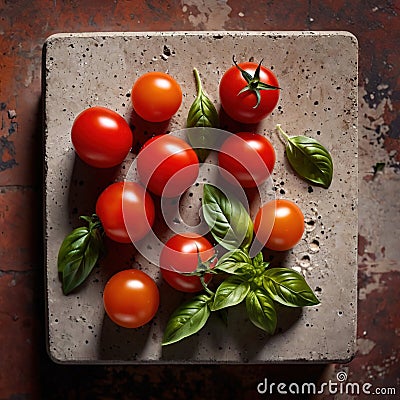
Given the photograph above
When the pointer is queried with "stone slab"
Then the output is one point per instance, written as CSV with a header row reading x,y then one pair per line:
x,y
318,73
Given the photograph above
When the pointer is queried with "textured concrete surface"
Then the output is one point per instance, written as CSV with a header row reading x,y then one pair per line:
x,y
318,99
25,370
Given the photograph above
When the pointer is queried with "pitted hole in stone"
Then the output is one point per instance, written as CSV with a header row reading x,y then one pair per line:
x,y
340,313
305,261
310,225
314,246
314,209
166,51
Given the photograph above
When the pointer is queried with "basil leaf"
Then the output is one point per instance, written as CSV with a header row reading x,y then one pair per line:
x,y
187,319
202,113
258,260
235,262
288,287
79,253
230,292
230,223
202,139
309,158
261,310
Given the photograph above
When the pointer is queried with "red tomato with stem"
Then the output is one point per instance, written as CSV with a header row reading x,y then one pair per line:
x,y
156,96
131,298
181,254
167,165
101,137
238,90
126,211
246,158
279,224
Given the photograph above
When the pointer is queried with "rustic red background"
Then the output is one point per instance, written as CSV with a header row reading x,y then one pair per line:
x,y
26,372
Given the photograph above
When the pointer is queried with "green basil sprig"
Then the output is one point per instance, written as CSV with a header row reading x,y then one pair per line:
x,y
249,280
79,253
309,158
230,224
282,285
202,114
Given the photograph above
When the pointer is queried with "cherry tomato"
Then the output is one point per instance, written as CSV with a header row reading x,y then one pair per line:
x,y
101,137
279,224
180,254
126,211
167,165
242,107
156,96
247,158
131,298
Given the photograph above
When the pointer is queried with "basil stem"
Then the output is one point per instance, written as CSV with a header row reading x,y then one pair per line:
x,y
79,253
202,114
309,158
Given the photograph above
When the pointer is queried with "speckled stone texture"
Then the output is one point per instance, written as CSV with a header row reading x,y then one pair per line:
x,y
318,74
